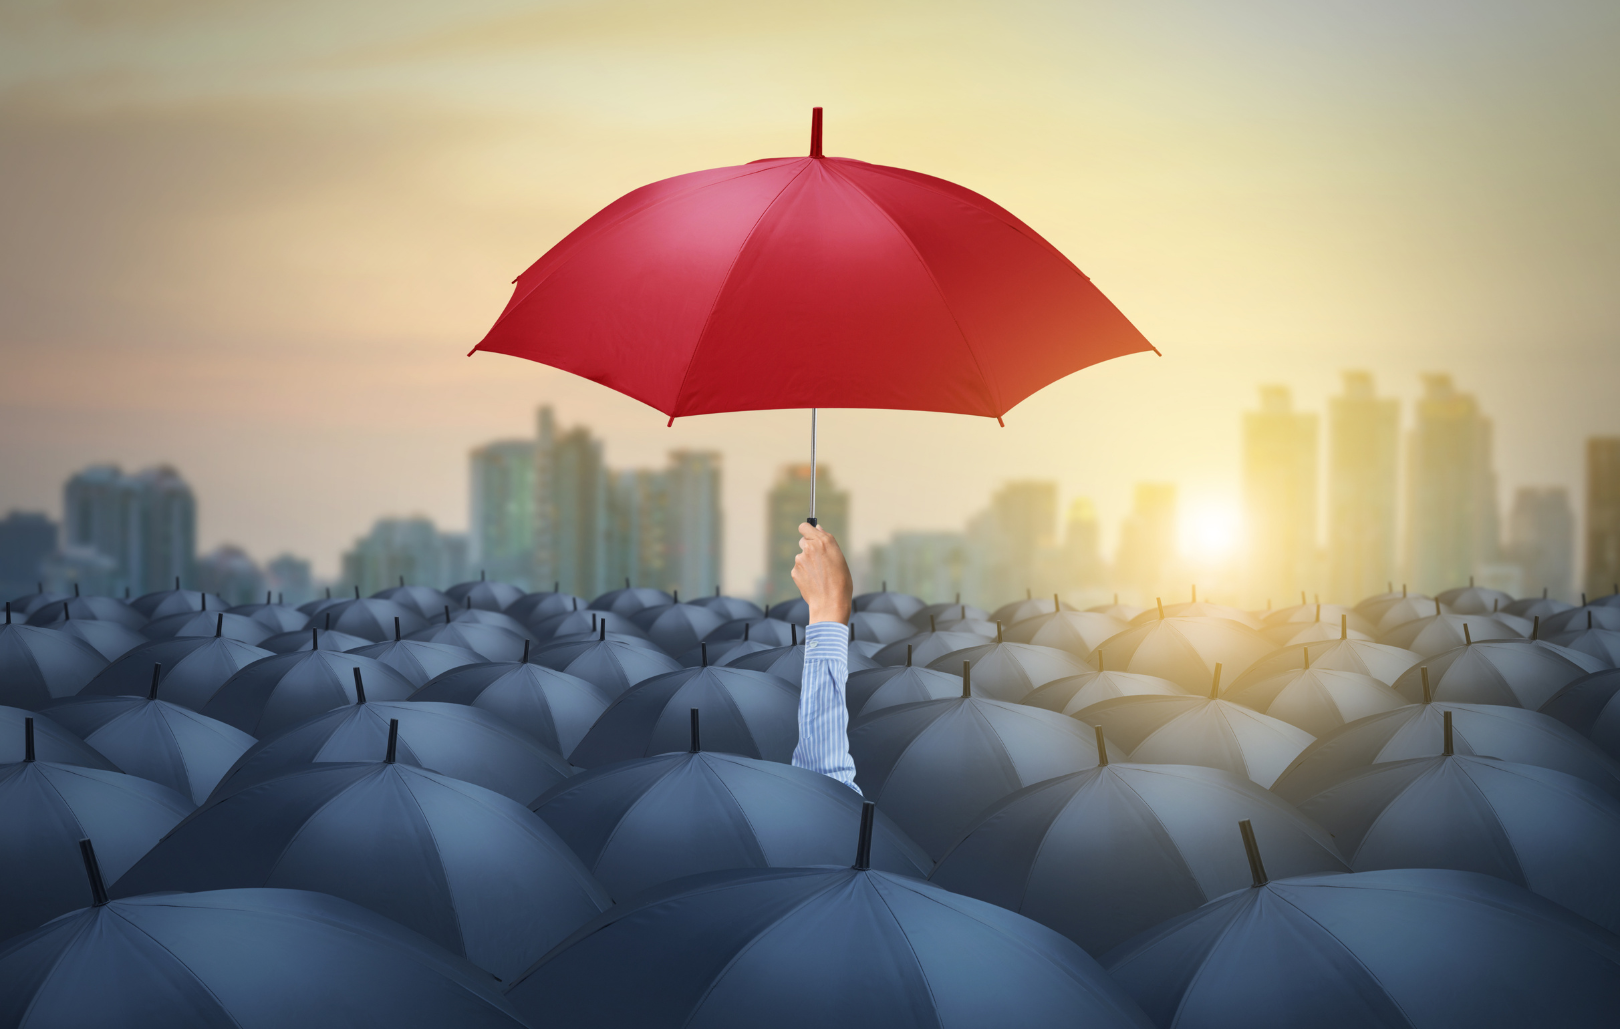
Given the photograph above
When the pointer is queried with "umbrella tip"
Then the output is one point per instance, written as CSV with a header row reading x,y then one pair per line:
x,y
157,673
526,642
393,741
1252,848
92,869
703,657
1428,694
1160,602
908,655
219,626
696,742
1215,687
1445,722
967,679
998,632
28,739
1102,747
396,628
1535,628
863,846
359,687
815,132
1344,627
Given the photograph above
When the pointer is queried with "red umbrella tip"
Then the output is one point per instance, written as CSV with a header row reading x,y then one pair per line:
x,y
815,132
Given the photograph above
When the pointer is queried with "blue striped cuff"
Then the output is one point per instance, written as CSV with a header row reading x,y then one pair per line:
x,y
826,641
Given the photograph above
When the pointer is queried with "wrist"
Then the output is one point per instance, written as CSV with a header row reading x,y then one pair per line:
x,y
829,613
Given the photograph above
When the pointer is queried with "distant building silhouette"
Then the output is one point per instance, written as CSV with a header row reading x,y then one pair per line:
x,y
1279,494
1541,540
1602,514
1013,545
788,504
694,537
1083,568
1363,440
502,525
636,546
229,572
146,524
27,538
930,565
412,549
1147,541
1452,521
572,515
291,580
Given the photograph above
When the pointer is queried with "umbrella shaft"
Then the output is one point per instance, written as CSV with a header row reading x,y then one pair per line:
x,y
812,518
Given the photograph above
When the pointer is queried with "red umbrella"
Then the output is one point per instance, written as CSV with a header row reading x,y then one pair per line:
x,y
811,282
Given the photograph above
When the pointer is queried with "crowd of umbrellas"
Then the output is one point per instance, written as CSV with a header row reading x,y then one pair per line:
x,y
486,807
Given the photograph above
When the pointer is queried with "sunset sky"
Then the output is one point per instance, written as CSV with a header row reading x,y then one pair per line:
x,y
257,239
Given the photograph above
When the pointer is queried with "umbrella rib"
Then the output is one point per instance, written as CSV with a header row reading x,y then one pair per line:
x,y
1388,994
196,980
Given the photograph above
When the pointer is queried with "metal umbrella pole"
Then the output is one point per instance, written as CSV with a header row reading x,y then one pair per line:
x,y
812,518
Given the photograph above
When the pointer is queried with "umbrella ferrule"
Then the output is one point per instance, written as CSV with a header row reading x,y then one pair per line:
x,y
359,687
1445,727
157,673
92,870
696,741
393,741
863,846
1251,847
967,679
28,739
1102,747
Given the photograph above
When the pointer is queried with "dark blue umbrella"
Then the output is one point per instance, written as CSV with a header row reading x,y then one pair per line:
x,y
313,638
813,948
795,611
275,617
1433,635
192,669
880,627
721,652
418,660
208,623
631,599
53,741
536,607
89,609
613,665
1377,950
955,612
1319,700
371,619
23,606
489,595
39,665
773,632
171,745
1074,693
1078,632
1112,851
1588,706
176,601
1603,644
730,608
111,640
570,623
1525,673
475,872
46,809
280,691
933,766
553,707
490,641
451,739
1379,660
1592,616
788,662
319,604
639,823
1011,671
479,616
1474,600
1030,607
1551,833
422,600
1488,730
1207,731
745,712
903,605
258,959
1537,607
874,689
678,628
925,647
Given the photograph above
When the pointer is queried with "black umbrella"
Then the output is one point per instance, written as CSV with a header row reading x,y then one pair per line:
x,y
1106,853
532,608
1185,650
1078,632
1379,660
316,637
1474,600
587,621
788,662
636,824
1207,731
754,714
730,608
47,809
39,665
1588,706
490,641
280,691
1378,950
1074,693
239,958
902,604
208,623
554,707
422,600
473,871
818,947
773,632
171,745
1592,616
1536,607
795,611
314,607
1318,700
721,652
89,609
1521,672
1435,634
933,766
277,618
1390,610
1030,607
1552,833
193,668
613,665
111,640
176,601
874,689
500,619
371,619
1603,644
53,741
418,660
677,628
880,627
631,599
451,739
489,595
1490,730
953,612
925,647
25,605
1011,671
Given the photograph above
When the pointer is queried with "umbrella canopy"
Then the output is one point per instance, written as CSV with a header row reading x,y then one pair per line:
x,y
1030,607
924,648
53,741
1379,660
422,600
255,959
1490,730
1078,632
1378,950
1536,607
1474,600
278,618
773,632
1593,616
919,294
1198,609
417,661
478,874
47,809
1200,731
168,744
1112,851
1123,612
795,611
1074,693
1011,671
451,739
554,707
1295,634
934,765
372,619
788,662
903,605
730,608
190,669
573,623
280,691
39,665
23,606
89,609
954,612
1551,833
631,599
534,607
808,948
1603,644
1185,650
720,652
877,688
208,623
1318,700
880,627
1525,673
313,638
1437,634
640,823
611,665
1588,706
755,714
677,628
489,641
314,607
1397,610
111,640
487,595
1303,613
482,617
176,601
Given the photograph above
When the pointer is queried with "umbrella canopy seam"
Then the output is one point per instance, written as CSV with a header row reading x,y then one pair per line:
x,y
1353,956
196,980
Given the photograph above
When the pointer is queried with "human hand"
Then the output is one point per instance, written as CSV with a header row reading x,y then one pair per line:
x,y
822,575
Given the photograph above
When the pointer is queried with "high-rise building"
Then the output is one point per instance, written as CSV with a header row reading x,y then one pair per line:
x,y
145,523
411,549
1147,542
1013,545
1279,495
1602,514
571,511
1541,540
929,565
636,545
502,532
787,504
1083,569
694,534
231,574
1363,438
27,538
1452,521
290,579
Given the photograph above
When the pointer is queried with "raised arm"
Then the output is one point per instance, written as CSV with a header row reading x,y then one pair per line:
x,y
823,578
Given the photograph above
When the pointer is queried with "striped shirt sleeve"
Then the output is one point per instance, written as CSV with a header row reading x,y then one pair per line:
x,y
823,717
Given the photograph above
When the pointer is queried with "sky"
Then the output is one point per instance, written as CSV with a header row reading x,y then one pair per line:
x,y
256,240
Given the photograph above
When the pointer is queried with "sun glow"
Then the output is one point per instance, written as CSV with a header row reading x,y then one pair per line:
x,y
1210,531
